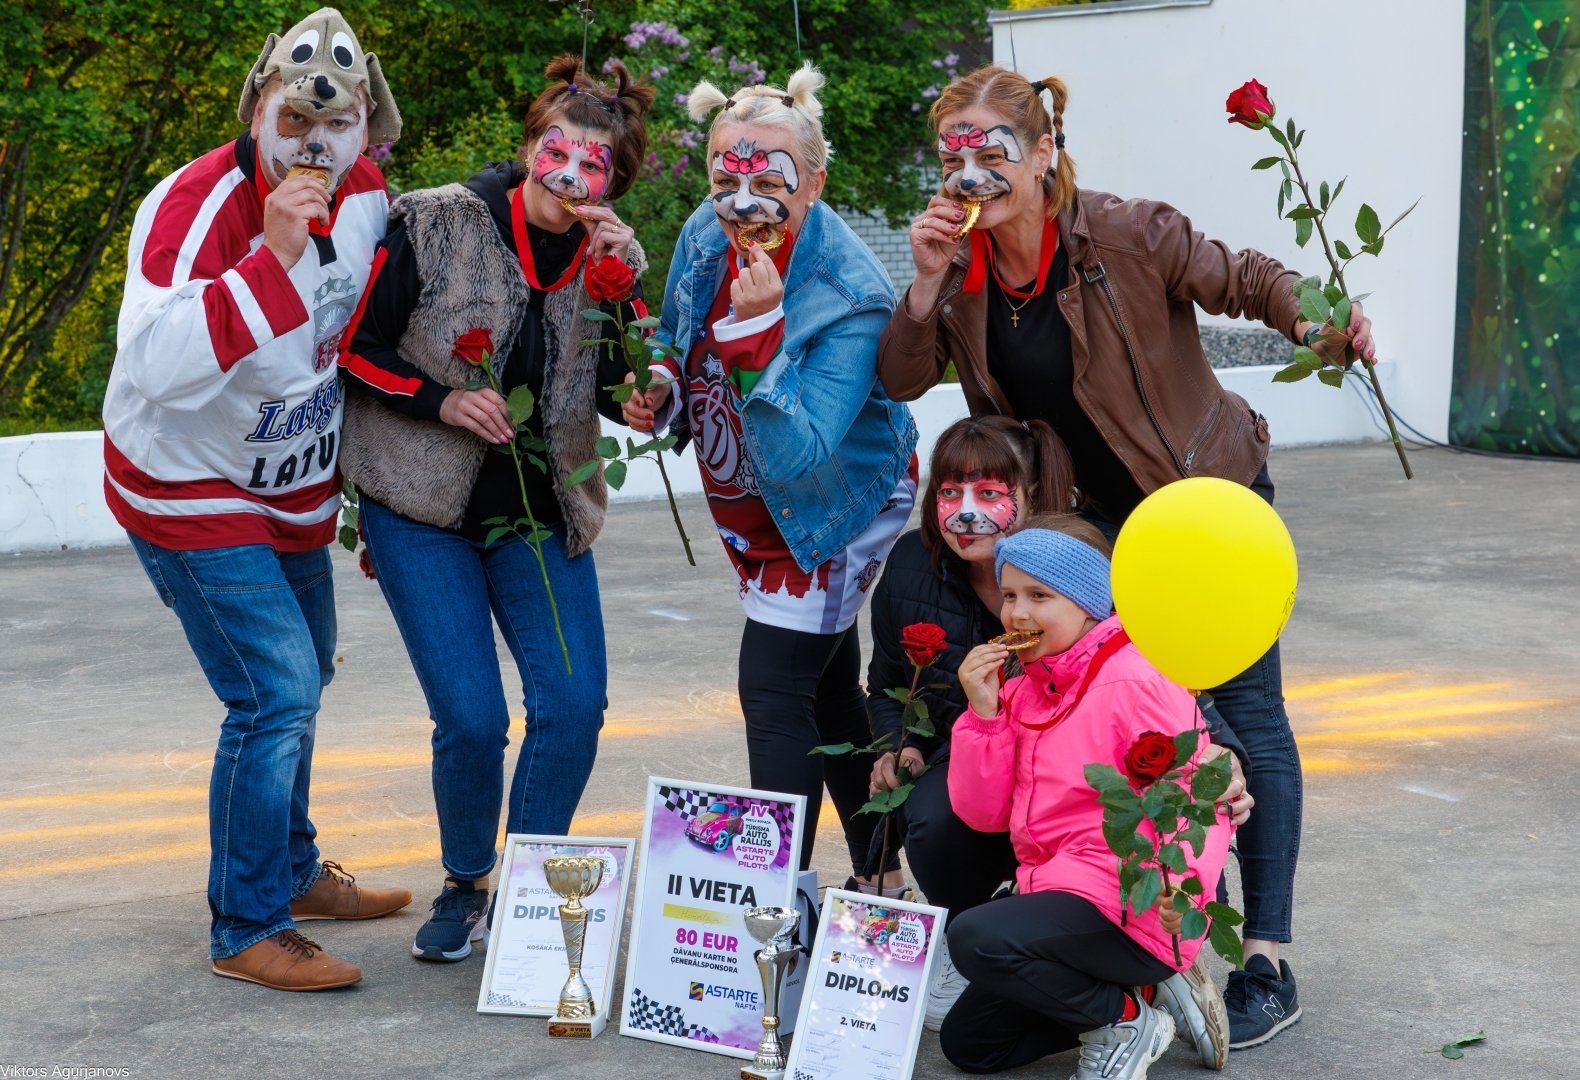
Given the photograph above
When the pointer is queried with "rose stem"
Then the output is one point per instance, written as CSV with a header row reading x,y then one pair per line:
x,y
673,509
883,850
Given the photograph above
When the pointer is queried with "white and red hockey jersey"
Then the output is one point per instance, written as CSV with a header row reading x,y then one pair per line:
x,y
223,408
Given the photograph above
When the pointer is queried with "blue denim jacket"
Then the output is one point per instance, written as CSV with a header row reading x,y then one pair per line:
x,y
826,443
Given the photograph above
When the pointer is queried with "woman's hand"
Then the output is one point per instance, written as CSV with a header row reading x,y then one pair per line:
x,y
1331,340
1170,918
482,412
884,775
758,289
980,677
933,245
606,233
643,406
1239,800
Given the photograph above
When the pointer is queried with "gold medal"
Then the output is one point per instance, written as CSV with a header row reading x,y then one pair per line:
x,y
768,237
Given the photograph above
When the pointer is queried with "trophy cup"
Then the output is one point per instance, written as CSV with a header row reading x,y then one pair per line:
x,y
774,927
573,877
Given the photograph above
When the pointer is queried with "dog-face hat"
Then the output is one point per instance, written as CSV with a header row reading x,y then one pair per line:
x,y
321,66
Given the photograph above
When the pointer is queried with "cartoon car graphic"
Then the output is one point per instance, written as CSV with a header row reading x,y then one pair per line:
x,y
878,927
715,826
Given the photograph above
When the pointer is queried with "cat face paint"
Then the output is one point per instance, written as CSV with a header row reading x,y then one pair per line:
x,y
976,508
327,141
973,160
573,165
749,184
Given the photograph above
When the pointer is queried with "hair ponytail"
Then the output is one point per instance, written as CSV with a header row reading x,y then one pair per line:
x,y
1053,469
704,98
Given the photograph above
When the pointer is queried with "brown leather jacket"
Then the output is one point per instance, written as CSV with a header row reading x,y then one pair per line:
x,y
1137,270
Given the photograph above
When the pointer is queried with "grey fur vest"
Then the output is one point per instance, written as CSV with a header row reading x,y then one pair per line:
x,y
425,470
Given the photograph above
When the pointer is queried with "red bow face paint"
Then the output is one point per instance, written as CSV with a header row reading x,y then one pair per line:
x,y
573,165
977,509
748,184
972,158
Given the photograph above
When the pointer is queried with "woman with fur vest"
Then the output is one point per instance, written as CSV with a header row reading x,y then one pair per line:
x,y
504,252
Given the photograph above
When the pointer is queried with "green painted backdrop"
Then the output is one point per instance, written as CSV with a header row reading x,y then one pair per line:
x,y
1517,340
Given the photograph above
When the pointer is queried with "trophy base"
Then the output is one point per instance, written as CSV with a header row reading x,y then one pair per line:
x,y
561,1028
751,1072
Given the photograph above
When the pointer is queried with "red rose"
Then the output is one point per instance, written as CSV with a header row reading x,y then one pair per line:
x,y
1148,758
365,562
1250,105
475,346
611,279
923,642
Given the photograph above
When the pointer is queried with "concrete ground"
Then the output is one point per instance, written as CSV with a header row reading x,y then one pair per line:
x,y
1430,666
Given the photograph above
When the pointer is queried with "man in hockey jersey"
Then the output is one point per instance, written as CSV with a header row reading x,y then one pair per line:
x,y
220,425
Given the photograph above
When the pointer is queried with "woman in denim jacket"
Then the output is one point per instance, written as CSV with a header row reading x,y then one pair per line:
x,y
776,307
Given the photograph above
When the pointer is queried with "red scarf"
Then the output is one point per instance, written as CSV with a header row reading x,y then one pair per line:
x,y
518,223
982,261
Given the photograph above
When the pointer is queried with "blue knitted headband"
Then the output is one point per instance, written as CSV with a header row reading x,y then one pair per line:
x,y
1061,562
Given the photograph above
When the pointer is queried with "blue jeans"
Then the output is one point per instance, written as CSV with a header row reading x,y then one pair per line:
x,y
446,592
262,624
1268,845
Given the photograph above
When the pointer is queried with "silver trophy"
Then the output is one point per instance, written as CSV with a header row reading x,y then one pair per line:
x,y
774,927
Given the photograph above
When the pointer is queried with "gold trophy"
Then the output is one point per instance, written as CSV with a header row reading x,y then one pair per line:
x,y
573,877
777,959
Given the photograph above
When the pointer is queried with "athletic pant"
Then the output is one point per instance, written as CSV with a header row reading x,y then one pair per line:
x,y
1043,968
955,866
800,690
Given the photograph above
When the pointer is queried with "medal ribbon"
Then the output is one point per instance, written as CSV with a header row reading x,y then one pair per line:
x,y
518,223
982,261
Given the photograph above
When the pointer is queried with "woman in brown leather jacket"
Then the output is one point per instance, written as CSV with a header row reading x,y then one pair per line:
x,y
1078,308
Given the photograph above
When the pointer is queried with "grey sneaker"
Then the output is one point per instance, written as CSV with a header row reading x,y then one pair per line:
x,y
948,985
1192,999
1123,1051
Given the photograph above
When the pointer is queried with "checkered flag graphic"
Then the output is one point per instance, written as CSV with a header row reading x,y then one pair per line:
x,y
688,803
649,1015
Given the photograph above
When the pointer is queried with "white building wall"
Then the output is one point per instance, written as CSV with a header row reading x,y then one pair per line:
x,y
1148,80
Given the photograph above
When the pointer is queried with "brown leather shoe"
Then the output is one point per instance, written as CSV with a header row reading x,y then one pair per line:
x,y
336,895
288,961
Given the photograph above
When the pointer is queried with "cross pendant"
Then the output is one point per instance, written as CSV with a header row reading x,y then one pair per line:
x,y
1014,319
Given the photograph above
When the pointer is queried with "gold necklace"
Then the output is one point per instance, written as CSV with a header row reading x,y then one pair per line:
x,y
1014,311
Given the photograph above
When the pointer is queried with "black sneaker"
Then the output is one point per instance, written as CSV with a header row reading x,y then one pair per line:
x,y
458,919
1260,1002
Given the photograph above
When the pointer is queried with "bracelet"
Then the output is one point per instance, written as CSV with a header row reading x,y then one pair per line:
x,y
1311,333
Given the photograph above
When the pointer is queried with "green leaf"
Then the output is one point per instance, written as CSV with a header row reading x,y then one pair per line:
x,y
349,514
1307,358
608,446
1333,294
833,749
1193,924
1331,376
348,538
1105,777
1343,249
1224,913
1292,373
1212,779
476,384
539,462
1145,894
1195,835
1341,313
1120,802
520,403
1226,943
900,694
1302,232
1290,130
614,474
921,707
1374,248
621,392
646,322
582,472
1181,902
1167,820
923,727
532,442
1185,745
540,535
495,534
585,342
1299,135
1278,136
1400,218
1323,195
1129,874
594,315
1191,886
1314,306
1267,163
1301,213
1367,226
1452,1051
1143,849
1173,857
1281,201
1284,168
669,441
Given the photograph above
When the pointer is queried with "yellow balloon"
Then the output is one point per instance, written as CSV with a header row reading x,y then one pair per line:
x,y
1204,579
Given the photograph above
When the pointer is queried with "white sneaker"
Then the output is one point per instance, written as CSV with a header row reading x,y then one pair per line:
x,y
1196,1005
1123,1051
948,985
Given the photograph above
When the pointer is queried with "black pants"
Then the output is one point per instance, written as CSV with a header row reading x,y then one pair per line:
x,y
1043,968
800,690
956,866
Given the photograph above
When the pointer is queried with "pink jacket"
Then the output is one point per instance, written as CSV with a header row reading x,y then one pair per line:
x,y
1003,775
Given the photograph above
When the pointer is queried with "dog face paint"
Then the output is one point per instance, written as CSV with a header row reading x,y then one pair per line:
x,y
327,140
573,164
972,158
748,184
976,507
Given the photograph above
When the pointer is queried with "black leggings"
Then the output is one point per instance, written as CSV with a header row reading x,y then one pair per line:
x,y
956,866
1032,959
800,690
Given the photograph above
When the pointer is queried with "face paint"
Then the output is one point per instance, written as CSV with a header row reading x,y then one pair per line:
x,y
972,157
328,141
747,180
573,170
976,506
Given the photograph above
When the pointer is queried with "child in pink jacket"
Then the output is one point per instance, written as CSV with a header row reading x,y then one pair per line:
x,y
1054,966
